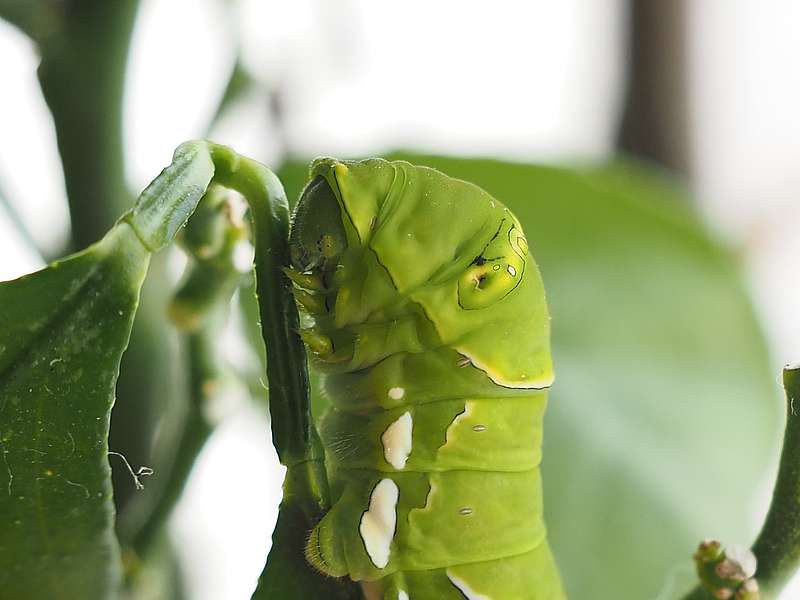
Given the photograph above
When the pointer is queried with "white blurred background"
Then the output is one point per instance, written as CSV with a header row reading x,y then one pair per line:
x,y
535,81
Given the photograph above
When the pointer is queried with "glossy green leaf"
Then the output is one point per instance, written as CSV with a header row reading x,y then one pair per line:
x,y
62,333
665,411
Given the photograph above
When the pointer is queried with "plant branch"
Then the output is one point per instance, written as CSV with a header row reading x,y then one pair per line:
x,y
82,76
164,208
306,497
294,434
777,547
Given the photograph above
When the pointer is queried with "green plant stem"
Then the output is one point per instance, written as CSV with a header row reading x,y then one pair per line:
x,y
82,76
777,547
294,435
306,497
162,210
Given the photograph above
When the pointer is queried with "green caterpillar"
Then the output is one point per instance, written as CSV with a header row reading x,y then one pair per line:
x,y
430,323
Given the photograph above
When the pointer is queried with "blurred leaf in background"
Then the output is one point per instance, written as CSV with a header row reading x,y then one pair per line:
x,y
665,410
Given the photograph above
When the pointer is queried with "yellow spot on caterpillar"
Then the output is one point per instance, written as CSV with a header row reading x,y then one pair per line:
x,y
511,271
545,380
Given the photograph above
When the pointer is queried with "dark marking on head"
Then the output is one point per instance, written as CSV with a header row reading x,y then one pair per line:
x,y
317,237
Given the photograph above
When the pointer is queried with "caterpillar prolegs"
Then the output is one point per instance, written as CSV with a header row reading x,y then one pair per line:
x,y
429,320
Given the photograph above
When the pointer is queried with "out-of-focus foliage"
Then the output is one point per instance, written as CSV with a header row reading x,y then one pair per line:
x,y
664,410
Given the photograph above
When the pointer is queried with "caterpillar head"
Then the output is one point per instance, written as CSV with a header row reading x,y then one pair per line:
x,y
380,236
318,237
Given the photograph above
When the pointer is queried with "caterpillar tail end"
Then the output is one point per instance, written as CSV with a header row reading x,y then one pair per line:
x,y
323,553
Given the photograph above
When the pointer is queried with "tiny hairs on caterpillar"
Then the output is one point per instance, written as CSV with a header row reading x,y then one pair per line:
x,y
430,324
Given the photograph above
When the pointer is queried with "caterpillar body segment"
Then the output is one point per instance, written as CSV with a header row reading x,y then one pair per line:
x,y
430,322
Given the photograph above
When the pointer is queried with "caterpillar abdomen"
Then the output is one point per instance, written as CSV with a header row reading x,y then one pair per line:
x,y
429,318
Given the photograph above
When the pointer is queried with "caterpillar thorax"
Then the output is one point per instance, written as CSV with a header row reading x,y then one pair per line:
x,y
430,321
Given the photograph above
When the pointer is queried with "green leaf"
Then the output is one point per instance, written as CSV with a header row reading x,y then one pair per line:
x,y
166,204
62,334
665,411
